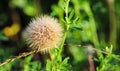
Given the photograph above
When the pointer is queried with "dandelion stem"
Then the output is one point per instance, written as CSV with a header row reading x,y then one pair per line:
x,y
50,56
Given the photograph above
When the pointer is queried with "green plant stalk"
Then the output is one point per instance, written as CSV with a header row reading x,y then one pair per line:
x,y
113,25
67,28
93,25
63,40
56,66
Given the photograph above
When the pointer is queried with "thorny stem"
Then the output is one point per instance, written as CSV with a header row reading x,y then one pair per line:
x,y
16,57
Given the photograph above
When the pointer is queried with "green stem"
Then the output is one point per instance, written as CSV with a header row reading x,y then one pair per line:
x,y
66,30
63,40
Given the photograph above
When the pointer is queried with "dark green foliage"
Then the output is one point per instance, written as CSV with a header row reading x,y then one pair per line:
x,y
84,22
31,65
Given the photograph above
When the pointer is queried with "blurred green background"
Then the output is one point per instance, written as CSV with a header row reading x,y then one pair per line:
x,y
99,21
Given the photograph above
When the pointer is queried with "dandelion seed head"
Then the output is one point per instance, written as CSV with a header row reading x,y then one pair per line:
x,y
43,33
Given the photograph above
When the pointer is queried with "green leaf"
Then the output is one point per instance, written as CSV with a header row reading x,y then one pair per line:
x,y
35,65
75,20
49,65
71,15
76,27
28,59
95,59
30,10
65,60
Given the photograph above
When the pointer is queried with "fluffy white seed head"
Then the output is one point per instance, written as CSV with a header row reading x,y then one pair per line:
x,y
43,33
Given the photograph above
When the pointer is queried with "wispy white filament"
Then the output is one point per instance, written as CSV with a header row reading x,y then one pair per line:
x,y
43,33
